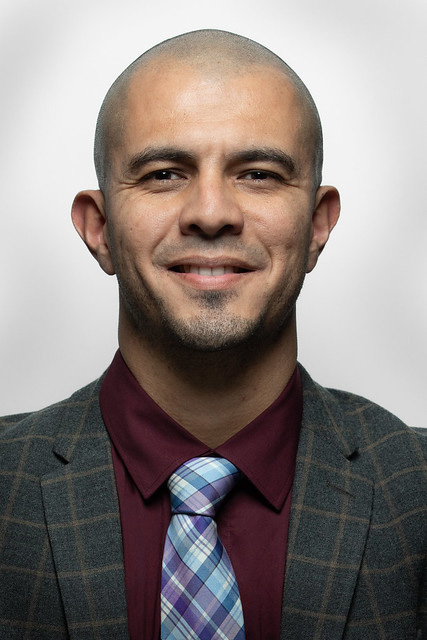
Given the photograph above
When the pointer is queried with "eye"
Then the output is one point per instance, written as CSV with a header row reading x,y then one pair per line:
x,y
161,175
258,175
162,180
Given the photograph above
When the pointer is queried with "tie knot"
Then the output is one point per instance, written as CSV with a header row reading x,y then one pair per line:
x,y
200,484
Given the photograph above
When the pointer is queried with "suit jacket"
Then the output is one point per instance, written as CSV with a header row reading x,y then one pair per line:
x,y
357,539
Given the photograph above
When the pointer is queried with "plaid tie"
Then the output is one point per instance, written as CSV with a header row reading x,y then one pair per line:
x,y
200,597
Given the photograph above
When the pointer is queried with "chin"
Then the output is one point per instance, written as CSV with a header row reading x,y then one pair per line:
x,y
220,332
202,335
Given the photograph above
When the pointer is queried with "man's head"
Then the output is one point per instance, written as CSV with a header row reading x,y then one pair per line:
x,y
208,151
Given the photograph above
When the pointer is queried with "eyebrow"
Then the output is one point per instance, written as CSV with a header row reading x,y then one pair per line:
x,y
157,154
173,154
267,154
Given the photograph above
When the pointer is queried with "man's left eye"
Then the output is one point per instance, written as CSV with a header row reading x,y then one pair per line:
x,y
259,175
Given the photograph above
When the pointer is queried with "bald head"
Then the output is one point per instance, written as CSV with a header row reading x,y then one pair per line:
x,y
211,52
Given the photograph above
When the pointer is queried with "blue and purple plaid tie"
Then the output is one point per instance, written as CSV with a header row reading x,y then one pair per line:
x,y
200,597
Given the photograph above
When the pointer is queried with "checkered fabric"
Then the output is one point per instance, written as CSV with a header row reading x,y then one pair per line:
x,y
200,597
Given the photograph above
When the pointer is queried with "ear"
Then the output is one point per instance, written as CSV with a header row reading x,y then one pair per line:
x,y
325,216
89,219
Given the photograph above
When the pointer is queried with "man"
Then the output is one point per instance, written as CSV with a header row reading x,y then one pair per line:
x,y
208,152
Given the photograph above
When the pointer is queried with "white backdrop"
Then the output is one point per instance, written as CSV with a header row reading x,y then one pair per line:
x,y
363,312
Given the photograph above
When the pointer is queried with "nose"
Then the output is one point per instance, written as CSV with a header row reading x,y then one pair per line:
x,y
211,209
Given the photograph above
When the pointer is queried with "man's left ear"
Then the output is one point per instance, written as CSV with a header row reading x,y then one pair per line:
x,y
325,216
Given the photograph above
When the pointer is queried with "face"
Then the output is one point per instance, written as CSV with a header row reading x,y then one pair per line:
x,y
210,220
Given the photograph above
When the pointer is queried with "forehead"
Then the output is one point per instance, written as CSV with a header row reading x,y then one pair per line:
x,y
176,104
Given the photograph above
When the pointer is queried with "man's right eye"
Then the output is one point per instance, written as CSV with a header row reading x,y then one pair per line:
x,y
161,175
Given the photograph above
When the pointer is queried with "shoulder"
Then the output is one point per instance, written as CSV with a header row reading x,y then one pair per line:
x,y
363,424
49,415
30,436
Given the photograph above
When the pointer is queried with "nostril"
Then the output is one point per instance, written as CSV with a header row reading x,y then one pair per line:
x,y
210,220
215,232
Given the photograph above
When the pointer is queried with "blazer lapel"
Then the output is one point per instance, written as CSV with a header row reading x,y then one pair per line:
x,y
82,517
330,516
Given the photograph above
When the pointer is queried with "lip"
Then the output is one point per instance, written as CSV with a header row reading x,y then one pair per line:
x,y
215,273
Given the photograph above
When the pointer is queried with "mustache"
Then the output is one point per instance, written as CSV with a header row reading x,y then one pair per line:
x,y
212,248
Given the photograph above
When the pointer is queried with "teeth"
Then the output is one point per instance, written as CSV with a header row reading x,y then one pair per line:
x,y
203,271
208,271
219,271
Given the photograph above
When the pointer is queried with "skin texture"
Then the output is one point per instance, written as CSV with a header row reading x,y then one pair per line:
x,y
200,177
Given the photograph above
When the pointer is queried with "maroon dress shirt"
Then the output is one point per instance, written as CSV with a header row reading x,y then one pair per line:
x,y
148,445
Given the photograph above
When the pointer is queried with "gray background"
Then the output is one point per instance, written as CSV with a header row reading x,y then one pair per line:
x,y
363,311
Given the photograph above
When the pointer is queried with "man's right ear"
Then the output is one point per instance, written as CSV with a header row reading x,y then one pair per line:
x,y
89,219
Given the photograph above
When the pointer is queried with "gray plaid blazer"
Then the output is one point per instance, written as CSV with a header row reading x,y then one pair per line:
x,y
357,539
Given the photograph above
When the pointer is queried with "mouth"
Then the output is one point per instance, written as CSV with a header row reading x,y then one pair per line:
x,y
204,270
209,273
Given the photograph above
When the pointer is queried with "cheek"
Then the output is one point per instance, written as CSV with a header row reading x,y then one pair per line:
x,y
288,252
289,238
137,231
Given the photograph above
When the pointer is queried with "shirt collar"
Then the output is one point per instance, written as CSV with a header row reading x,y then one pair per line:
x,y
152,445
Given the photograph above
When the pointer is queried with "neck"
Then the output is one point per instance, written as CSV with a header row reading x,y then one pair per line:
x,y
213,395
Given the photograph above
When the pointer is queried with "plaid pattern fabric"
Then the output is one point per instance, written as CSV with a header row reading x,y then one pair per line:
x,y
356,565
200,597
61,565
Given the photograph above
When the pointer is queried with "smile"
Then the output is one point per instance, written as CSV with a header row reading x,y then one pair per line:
x,y
206,270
